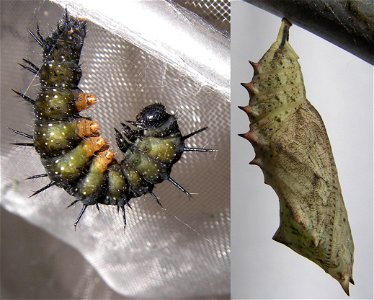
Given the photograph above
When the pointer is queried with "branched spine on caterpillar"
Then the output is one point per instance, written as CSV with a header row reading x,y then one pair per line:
x,y
75,156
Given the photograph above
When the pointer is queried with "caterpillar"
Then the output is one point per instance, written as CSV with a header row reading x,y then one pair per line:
x,y
293,150
74,154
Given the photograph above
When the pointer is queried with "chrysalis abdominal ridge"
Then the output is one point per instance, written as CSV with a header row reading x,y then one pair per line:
x,y
75,156
293,150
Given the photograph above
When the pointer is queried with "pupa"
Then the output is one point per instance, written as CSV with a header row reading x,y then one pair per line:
x,y
293,150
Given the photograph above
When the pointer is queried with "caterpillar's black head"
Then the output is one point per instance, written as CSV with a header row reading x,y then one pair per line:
x,y
70,23
65,43
152,116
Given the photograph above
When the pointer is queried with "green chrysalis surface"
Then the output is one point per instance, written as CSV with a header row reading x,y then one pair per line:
x,y
293,150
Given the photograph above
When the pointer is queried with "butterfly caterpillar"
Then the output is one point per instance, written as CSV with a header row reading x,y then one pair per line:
x,y
293,150
74,155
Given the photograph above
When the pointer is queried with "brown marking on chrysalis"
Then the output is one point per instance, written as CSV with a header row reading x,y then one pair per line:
x,y
84,101
86,128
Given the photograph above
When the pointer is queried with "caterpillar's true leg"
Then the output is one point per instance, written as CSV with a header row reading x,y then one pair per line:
x,y
122,143
129,133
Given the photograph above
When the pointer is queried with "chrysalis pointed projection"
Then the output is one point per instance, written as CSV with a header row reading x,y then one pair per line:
x,y
293,150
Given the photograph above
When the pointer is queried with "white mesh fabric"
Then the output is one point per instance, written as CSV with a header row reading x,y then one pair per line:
x,y
180,252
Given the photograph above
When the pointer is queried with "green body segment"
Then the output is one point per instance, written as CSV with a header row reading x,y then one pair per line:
x,y
164,150
92,183
135,180
57,105
151,157
117,185
54,137
68,167
149,169
64,74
